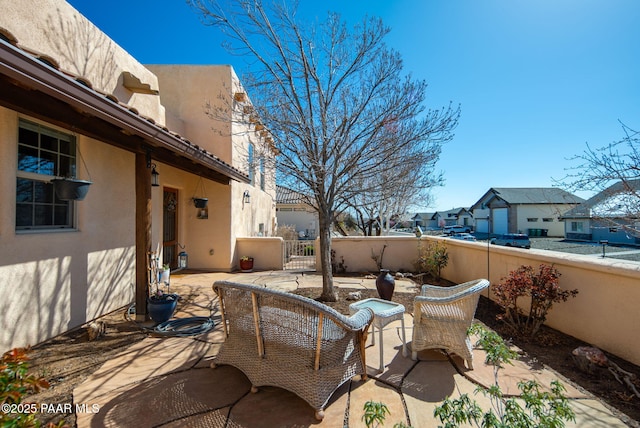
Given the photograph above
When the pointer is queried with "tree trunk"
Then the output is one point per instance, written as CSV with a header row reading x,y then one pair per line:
x,y
328,292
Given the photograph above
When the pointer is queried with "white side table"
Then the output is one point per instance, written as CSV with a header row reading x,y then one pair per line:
x,y
384,312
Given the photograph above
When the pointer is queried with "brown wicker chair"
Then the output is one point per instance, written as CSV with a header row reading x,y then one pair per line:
x,y
289,341
442,316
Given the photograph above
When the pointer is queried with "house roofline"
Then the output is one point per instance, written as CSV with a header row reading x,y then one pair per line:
x,y
22,73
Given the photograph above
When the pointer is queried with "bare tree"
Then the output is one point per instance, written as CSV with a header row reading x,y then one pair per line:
x,y
614,171
390,194
328,95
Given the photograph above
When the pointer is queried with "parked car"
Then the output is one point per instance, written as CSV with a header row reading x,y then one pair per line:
x,y
463,236
513,240
457,228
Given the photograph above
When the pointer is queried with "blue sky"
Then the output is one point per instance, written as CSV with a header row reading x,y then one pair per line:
x,y
536,79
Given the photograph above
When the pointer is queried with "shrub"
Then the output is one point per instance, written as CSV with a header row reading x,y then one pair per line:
x,y
15,382
287,232
541,409
541,287
337,266
432,258
375,412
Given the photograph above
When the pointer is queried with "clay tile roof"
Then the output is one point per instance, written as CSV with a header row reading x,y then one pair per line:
x,y
285,195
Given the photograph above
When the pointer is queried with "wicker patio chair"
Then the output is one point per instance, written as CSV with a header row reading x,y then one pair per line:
x,y
292,342
442,316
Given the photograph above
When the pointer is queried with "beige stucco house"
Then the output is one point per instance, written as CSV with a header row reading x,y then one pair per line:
x,y
455,216
294,209
75,104
531,210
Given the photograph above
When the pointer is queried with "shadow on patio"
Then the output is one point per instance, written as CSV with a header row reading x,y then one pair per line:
x,y
167,381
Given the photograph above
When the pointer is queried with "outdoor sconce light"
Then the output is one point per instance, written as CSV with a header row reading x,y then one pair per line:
x,y
182,260
246,198
155,181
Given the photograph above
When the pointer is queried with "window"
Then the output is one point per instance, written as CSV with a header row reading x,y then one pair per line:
x,y
262,173
250,161
547,219
576,226
532,219
43,153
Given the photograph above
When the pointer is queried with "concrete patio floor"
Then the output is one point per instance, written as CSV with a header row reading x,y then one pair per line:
x,y
167,381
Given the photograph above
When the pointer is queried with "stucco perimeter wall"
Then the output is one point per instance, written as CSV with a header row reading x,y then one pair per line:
x,y
400,253
604,313
266,252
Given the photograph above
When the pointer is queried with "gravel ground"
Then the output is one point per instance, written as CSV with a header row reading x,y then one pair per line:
x,y
588,248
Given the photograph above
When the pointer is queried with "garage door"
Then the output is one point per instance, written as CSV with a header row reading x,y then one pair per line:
x,y
500,221
482,226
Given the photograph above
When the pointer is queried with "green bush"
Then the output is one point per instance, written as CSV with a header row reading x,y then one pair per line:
x,y
541,409
432,258
15,383
375,412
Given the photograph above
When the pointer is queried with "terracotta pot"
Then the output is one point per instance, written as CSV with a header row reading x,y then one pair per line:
x,y
385,284
246,265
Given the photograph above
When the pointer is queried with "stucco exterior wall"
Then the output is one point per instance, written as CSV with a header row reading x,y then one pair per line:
x,y
213,117
206,240
189,92
540,212
56,29
56,280
604,313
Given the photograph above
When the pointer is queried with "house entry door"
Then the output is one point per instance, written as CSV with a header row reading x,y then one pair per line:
x,y
170,227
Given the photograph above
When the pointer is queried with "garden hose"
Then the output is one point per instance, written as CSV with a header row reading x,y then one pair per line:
x,y
184,326
180,327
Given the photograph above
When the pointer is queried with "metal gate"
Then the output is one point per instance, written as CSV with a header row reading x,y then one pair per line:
x,y
299,255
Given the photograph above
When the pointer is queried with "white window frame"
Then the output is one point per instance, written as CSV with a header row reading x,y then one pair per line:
x,y
43,180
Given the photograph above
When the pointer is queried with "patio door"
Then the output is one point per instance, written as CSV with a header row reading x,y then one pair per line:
x,y
170,227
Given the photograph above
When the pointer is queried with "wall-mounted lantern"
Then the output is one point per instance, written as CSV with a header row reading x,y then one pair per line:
x,y
246,198
155,176
183,259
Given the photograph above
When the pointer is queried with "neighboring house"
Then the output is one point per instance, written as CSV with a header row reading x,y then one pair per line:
x,y
73,103
461,216
295,209
532,210
612,215
424,220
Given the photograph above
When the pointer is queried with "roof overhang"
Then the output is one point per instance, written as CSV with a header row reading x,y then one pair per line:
x,y
31,87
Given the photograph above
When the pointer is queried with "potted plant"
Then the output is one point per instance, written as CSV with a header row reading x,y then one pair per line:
x,y
71,189
164,274
161,305
200,202
246,264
